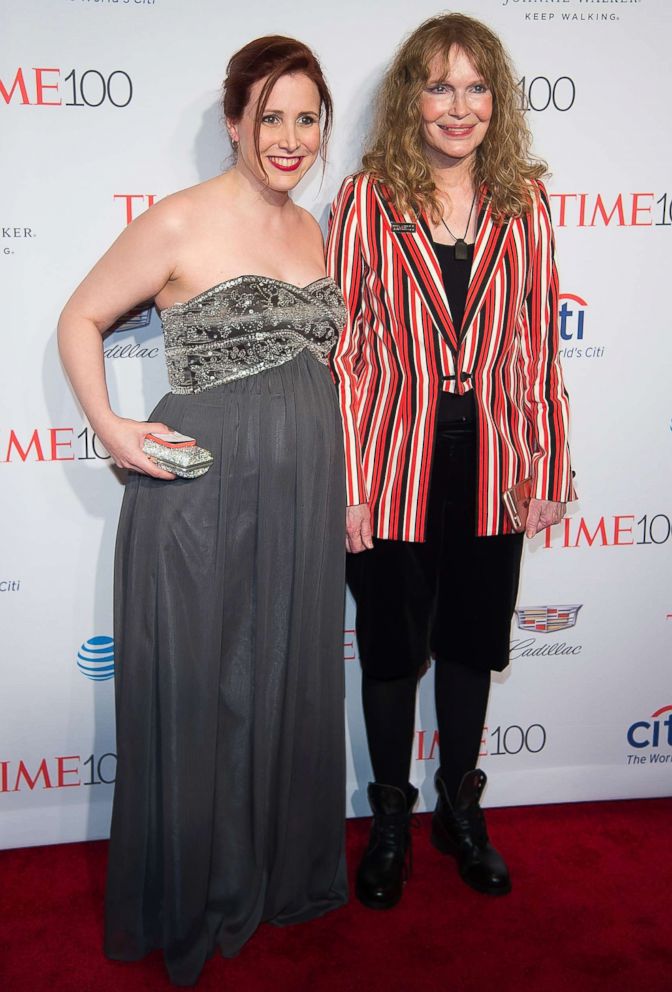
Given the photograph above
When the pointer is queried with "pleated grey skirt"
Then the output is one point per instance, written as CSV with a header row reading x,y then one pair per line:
x,y
229,589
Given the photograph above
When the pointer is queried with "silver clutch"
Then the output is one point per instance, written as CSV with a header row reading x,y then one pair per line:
x,y
188,461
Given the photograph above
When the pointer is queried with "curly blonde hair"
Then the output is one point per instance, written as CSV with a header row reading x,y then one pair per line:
x,y
503,160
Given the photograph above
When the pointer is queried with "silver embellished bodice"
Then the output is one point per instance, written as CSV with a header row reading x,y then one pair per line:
x,y
247,325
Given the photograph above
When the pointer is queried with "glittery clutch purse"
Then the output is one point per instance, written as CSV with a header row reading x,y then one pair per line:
x,y
178,453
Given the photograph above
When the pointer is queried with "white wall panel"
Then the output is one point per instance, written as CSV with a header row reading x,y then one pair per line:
x,y
583,712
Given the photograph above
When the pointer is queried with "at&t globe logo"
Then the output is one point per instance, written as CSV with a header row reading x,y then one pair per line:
x,y
95,658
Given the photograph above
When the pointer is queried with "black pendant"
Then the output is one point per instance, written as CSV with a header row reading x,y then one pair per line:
x,y
461,250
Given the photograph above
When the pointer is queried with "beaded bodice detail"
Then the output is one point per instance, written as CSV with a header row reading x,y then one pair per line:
x,y
247,325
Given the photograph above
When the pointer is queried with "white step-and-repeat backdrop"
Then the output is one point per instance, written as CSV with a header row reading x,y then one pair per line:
x,y
107,105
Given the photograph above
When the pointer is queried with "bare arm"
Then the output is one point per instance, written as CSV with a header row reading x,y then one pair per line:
x,y
136,267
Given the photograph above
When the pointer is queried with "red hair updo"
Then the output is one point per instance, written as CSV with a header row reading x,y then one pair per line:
x,y
269,58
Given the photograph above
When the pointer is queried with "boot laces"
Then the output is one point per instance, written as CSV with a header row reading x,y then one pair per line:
x,y
394,832
472,823
391,831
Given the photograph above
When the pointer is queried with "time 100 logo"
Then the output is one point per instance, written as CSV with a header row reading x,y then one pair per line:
x,y
513,739
541,93
46,86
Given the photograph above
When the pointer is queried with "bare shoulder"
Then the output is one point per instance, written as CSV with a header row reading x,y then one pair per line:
x,y
310,226
171,215
175,214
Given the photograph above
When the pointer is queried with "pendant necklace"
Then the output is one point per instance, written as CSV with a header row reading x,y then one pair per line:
x,y
461,248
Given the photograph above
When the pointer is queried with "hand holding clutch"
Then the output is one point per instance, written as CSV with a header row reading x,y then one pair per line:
x,y
178,453
531,515
517,503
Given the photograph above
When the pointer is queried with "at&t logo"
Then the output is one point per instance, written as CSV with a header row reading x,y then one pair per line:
x,y
95,658
651,735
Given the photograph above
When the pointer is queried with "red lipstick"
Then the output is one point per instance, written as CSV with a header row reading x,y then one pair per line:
x,y
292,167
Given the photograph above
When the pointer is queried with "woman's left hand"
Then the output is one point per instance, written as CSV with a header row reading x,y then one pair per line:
x,y
543,513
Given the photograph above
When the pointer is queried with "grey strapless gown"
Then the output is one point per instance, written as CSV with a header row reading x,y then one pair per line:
x,y
229,804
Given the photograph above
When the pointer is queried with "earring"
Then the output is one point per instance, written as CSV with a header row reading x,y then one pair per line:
x,y
234,144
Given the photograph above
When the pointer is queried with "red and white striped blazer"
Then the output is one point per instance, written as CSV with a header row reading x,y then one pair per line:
x,y
399,348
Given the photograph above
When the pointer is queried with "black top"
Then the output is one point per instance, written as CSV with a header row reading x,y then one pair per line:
x,y
455,410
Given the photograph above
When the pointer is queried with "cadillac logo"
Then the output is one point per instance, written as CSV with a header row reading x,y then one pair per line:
x,y
139,316
547,619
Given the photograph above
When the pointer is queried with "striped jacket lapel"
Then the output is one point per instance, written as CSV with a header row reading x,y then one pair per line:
x,y
490,241
420,263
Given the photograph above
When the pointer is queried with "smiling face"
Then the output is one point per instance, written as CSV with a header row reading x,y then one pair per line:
x,y
289,137
456,107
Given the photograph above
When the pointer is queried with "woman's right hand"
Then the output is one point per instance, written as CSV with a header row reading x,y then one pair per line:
x,y
358,536
123,439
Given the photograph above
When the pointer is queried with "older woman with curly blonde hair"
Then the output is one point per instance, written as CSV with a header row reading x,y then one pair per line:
x,y
451,395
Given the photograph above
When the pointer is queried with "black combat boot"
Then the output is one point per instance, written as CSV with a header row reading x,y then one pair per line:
x,y
383,870
459,830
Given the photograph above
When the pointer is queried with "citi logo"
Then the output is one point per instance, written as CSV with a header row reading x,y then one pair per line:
x,y
655,732
572,315
572,326
95,658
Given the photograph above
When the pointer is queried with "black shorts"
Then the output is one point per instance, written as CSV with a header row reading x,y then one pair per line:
x,y
453,595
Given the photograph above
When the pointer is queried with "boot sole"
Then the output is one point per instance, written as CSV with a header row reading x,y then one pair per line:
x,y
438,842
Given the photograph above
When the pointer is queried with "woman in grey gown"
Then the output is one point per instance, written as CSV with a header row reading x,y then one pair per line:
x,y
229,802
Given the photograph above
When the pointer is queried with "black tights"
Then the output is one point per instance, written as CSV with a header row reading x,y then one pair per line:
x,y
461,695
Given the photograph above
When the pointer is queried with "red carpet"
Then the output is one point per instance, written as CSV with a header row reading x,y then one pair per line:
x,y
590,911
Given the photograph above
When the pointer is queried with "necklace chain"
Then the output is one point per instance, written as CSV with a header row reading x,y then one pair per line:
x,y
471,210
